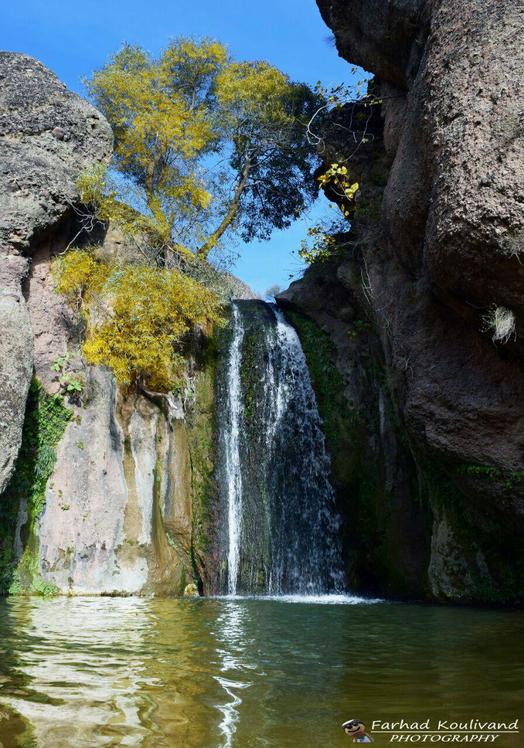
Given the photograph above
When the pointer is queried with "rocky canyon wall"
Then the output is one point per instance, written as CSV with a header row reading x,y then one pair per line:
x,y
425,303
100,493
412,330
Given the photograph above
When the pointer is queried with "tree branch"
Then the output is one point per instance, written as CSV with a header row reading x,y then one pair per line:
x,y
231,213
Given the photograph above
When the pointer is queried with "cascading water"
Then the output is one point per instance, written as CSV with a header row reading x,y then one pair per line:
x,y
232,453
273,470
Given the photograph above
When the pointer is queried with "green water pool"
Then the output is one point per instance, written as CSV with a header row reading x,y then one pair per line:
x,y
248,672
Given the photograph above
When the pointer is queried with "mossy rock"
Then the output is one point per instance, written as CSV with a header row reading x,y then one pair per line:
x,y
45,421
201,434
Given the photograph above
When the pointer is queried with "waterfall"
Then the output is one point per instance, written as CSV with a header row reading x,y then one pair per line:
x,y
232,452
281,531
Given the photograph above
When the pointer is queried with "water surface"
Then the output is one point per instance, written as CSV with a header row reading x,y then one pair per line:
x,y
250,672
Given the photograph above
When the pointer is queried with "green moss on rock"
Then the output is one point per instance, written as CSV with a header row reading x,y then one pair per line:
x,y
201,441
252,348
327,381
373,473
489,472
45,422
355,469
484,560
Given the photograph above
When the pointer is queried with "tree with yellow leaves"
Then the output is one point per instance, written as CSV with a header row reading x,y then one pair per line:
x,y
209,146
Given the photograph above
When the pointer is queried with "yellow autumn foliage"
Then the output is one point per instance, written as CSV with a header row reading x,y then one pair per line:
x,y
146,314
255,87
336,176
78,275
203,146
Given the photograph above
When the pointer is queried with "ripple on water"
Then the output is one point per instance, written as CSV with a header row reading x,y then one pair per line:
x,y
233,673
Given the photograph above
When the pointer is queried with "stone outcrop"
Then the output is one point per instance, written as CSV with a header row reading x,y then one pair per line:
x,y
48,136
117,515
124,508
16,361
122,511
437,266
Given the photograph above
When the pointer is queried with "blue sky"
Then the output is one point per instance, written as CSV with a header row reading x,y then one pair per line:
x,y
75,38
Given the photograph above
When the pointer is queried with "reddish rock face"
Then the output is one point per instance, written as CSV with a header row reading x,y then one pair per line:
x,y
454,205
445,257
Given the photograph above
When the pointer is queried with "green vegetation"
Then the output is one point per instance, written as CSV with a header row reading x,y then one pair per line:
x,y
45,422
253,344
321,356
484,547
69,383
355,472
321,244
492,473
206,146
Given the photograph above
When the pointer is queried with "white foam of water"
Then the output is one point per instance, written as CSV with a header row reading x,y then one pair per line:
x,y
326,599
334,599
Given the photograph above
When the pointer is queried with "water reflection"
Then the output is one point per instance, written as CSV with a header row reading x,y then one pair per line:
x,y
240,673
235,666
83,666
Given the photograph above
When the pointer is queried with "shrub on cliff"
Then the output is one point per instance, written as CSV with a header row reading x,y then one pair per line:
x,y
137,316
326,240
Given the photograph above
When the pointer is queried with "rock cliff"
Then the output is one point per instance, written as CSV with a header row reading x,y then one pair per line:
x,y
435,271
102,494
47,136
